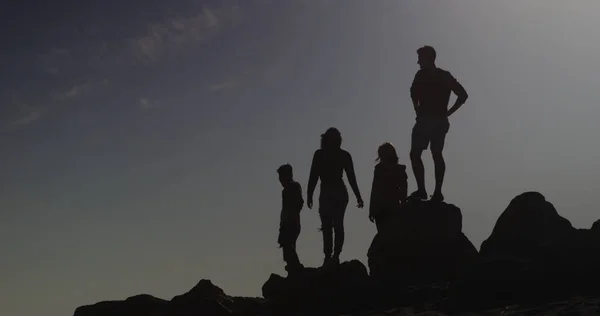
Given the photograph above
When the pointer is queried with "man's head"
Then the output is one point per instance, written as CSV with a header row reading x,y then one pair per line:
x,y
426,56
285,174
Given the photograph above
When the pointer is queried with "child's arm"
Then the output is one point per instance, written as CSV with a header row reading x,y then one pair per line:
x,y
298,197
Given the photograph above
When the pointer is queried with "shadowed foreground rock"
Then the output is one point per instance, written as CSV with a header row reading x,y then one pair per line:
x,y
203,299
336,288
533,255
422,264
422,243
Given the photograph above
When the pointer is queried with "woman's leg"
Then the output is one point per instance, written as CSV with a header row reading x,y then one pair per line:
x,y
326,230
326,224
338,224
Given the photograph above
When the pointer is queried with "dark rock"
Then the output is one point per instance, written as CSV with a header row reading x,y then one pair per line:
x,y
341,288
203,299
527,226
205,289
142,304
420,261
498,282
596,227
421,244
533,255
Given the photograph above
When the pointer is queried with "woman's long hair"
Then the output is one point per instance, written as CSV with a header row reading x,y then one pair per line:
x,y
386,153
331,139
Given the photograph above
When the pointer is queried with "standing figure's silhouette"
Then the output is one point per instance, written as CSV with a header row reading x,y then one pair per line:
x,y
389,187
329,164
289,224
430,94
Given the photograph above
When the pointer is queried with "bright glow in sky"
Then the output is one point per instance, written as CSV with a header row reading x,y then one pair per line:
x,y
139,150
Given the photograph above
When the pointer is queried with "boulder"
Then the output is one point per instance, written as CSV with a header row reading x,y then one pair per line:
x,y
596,227
203,299
532,255
421,244
340,287
142,304
528,226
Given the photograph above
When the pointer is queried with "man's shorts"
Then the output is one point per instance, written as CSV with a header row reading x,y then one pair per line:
x,y
430,130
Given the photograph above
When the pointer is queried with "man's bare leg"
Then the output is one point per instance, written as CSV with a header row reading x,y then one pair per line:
x,y
419,172
440,171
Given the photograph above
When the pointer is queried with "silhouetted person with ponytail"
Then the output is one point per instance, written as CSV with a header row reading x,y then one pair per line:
x,y
430,94
328,165
389,188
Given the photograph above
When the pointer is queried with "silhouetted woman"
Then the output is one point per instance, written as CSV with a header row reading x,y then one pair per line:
x,y
329,164
389,188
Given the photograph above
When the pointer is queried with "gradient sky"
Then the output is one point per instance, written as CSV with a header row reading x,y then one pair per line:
x,y
139,140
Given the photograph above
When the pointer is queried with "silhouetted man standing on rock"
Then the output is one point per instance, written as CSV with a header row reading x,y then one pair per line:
x,y
430,94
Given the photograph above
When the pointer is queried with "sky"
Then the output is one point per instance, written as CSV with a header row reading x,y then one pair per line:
x,y
139,140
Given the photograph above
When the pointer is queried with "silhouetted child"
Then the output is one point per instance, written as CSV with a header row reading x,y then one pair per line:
x,y
390,186
289,226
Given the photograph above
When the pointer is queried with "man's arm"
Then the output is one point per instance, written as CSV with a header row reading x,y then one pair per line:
x,y
460,92
414,92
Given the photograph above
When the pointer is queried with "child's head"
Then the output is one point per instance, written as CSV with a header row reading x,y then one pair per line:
x,y
387,153
285,174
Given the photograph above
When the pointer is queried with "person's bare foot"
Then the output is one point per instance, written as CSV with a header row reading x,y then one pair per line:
x,y
437,197
419,194
335,260
326,261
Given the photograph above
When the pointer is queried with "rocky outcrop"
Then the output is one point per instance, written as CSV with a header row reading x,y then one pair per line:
x,y
203,299
530,229
339,288
142,304
527,227
420,261
422,243
532,255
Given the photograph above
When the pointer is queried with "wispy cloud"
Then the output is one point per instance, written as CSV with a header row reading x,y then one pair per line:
x,y
20,113
29,118
52,71
77,90
54,59
177,34
60,51
82,89
77,66
24,113
223,85
149,104
170,37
